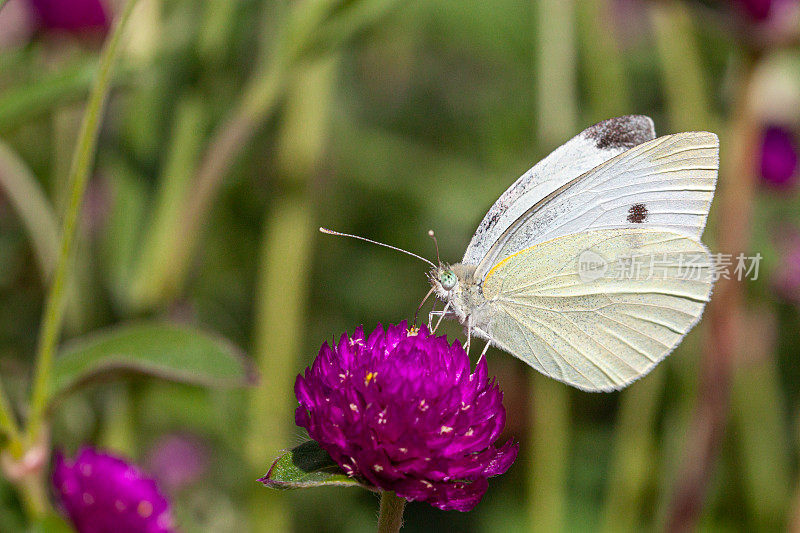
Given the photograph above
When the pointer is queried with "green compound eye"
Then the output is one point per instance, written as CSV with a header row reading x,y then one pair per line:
x,y
447,279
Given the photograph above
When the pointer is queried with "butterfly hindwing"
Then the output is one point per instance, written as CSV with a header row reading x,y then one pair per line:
x,y
582,309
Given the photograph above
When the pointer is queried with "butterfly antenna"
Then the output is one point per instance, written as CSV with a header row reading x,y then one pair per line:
x,y
435,243
412,254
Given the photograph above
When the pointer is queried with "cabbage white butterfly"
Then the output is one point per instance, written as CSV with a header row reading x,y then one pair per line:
x,y
549,275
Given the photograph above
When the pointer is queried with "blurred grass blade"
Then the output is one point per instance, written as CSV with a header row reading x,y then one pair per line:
x,y
604,70
634,459
123,229
154,278
167,351
306,466
30,202
758,416
23,103
685,85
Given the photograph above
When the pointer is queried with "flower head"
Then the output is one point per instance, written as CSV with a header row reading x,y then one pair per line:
x,y
401,411
779,157
104,494
74,16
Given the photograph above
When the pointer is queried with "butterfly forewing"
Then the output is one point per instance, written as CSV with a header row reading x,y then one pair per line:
x,y
599,309
664,183
585,151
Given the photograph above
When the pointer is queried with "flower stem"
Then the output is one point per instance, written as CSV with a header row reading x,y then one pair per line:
x,y
8,424
78,178
390,519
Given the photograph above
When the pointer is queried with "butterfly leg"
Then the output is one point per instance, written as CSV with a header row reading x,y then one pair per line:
x,y
469,340
441,317
485,349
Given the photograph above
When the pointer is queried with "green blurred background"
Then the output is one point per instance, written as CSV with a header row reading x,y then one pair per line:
x,y
236,128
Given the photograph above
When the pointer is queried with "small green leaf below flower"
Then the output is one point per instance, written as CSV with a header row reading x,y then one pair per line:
x,y
306,466
168,351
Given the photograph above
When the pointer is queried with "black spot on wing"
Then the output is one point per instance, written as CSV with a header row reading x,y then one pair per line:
x,y
621,132
637,214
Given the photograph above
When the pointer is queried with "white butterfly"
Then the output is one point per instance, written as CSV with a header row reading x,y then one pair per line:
x,y
590,267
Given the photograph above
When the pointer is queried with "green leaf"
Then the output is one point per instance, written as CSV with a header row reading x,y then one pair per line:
x,y
306,466
169,351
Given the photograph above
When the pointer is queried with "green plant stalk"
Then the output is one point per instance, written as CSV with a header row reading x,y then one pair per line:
x,y
9,425
685,86
285,267
154,279
634,448
79,176
604,69
390,519
557,118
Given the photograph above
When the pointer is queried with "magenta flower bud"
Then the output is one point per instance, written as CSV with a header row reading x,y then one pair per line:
x,y
101,493
779,157
72,16
401,411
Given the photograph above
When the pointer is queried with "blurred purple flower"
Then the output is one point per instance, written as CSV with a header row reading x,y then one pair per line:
x,y
178,461
779,157
104,494
757,10
401,411
73,16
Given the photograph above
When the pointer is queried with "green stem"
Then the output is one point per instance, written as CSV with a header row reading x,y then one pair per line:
x,y
8,424
390,519
79,176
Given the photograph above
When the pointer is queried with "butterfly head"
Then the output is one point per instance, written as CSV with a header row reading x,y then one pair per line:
x,y
443,279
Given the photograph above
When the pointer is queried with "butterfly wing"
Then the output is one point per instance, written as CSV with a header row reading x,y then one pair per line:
x,y
585,151
665,183
584,310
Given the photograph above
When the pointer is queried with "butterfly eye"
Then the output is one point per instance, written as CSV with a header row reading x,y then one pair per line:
x,y
448,280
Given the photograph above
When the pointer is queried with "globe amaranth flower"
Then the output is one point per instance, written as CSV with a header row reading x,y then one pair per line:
x,y
779,157
402,411
104,494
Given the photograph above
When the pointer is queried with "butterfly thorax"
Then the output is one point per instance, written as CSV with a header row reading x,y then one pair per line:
x,y
465,298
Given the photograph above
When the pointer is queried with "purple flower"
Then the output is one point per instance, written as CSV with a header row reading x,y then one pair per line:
x,y
103,494
779,157
74,16
178,460
757,10
401,411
